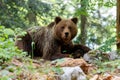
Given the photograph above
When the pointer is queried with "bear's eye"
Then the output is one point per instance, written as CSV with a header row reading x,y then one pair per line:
x,y
69,27
62,27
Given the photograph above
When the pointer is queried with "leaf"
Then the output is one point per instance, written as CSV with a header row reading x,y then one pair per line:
x,y
8,31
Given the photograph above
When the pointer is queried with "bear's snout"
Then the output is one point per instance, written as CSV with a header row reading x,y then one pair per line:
x,y
66,34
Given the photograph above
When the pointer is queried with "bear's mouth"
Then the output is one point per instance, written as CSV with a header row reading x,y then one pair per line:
x,y
66,39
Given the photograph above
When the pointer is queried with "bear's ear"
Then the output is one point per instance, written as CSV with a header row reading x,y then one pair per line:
x,y
57,20
75,20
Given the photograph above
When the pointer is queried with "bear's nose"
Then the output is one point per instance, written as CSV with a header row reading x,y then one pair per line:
x,y
66,34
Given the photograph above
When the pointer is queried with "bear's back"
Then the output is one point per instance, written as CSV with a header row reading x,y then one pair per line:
x,y
42,37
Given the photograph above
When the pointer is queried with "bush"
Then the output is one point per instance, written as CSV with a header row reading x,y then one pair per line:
x,y
7,48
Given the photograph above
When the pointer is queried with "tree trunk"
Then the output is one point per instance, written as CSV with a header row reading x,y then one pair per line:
x,y
83,35
118,24
83,30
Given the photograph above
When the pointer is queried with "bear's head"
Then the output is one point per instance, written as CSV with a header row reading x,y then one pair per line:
x,y
65,29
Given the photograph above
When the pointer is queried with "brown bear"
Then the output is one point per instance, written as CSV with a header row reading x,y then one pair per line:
x,y
76,50
48,40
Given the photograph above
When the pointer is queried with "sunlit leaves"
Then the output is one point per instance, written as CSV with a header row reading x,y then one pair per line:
x,y
101,3
7,48
107,45
8,32
14,13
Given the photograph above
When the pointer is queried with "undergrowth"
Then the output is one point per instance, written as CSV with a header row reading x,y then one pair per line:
x,y
7,48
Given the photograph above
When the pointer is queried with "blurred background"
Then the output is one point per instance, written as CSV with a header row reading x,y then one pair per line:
x,y
97,18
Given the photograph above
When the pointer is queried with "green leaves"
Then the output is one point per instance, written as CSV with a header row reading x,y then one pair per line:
x,y
109,3
107,45
7,48
8,31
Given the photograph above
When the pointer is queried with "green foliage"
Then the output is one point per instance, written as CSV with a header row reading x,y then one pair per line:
x,y
19,32
108,66
7,48
57,70
5,78
11,13
22,13
107,45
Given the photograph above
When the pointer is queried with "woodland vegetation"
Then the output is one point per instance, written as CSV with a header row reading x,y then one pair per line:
x,y
98,28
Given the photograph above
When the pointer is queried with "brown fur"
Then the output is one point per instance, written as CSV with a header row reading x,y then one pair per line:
x,y
24,42
48,40
77,50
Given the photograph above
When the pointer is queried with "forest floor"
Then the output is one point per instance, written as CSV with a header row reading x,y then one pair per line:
x,y
39,69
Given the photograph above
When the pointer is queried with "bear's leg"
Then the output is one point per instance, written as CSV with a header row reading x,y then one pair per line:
x,y
54,52
79,50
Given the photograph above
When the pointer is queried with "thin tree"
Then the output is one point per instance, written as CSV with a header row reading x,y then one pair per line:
x,y
118,24
83,35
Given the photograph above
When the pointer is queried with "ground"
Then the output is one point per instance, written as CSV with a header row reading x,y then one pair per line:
x,y
39,69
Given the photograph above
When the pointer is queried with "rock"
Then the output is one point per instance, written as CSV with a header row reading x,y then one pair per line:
x,y
73,73
94,55
113,55
70,62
